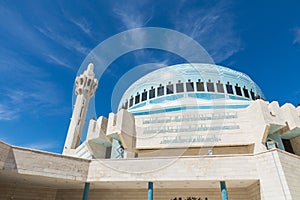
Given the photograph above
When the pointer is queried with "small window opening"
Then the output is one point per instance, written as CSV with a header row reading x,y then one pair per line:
x,y
160,90
151,93
210,86
200,85
238,90
179,87
144,95
220,87
189,86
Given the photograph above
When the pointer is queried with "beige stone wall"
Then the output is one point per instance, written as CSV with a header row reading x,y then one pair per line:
x,y
242,149
273,184
296,145
254,191
29,162
32,162
291,168
278,173
18,192
7,160
169,169
159,194
26,192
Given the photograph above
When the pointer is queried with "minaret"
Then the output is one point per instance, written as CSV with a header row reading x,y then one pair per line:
x,y
86,85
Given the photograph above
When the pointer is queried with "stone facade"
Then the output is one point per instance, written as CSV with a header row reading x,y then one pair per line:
x,y
29,174
186,144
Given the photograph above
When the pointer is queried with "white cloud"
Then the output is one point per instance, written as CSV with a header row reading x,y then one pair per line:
x,y
48,145
66,42
132,16
82,24
26,35
22,87
297,36
212,26
34,97
25,88
12,64
7,113
57,60
17,27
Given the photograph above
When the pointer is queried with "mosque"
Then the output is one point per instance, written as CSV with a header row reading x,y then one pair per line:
x,y
183,132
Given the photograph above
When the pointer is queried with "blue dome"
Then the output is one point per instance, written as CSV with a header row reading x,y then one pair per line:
x,y
206,82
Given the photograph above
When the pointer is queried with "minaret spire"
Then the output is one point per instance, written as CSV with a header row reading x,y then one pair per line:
x,y
86,85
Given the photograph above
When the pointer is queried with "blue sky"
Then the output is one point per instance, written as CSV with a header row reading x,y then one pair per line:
x,y
43,43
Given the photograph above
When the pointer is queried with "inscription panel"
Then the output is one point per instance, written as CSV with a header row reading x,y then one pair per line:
x,y
186,129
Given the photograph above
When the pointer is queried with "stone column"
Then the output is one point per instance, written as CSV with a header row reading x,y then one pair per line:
x,y
86,191
223,190
150,190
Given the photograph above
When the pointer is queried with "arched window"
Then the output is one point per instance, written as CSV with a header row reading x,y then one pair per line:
x,y
151,93
252,95
179,87
210,86
246,93
160,90
220,87
137,98
131,101
170,88
238,90
229,88
144,95
200,85
189,86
